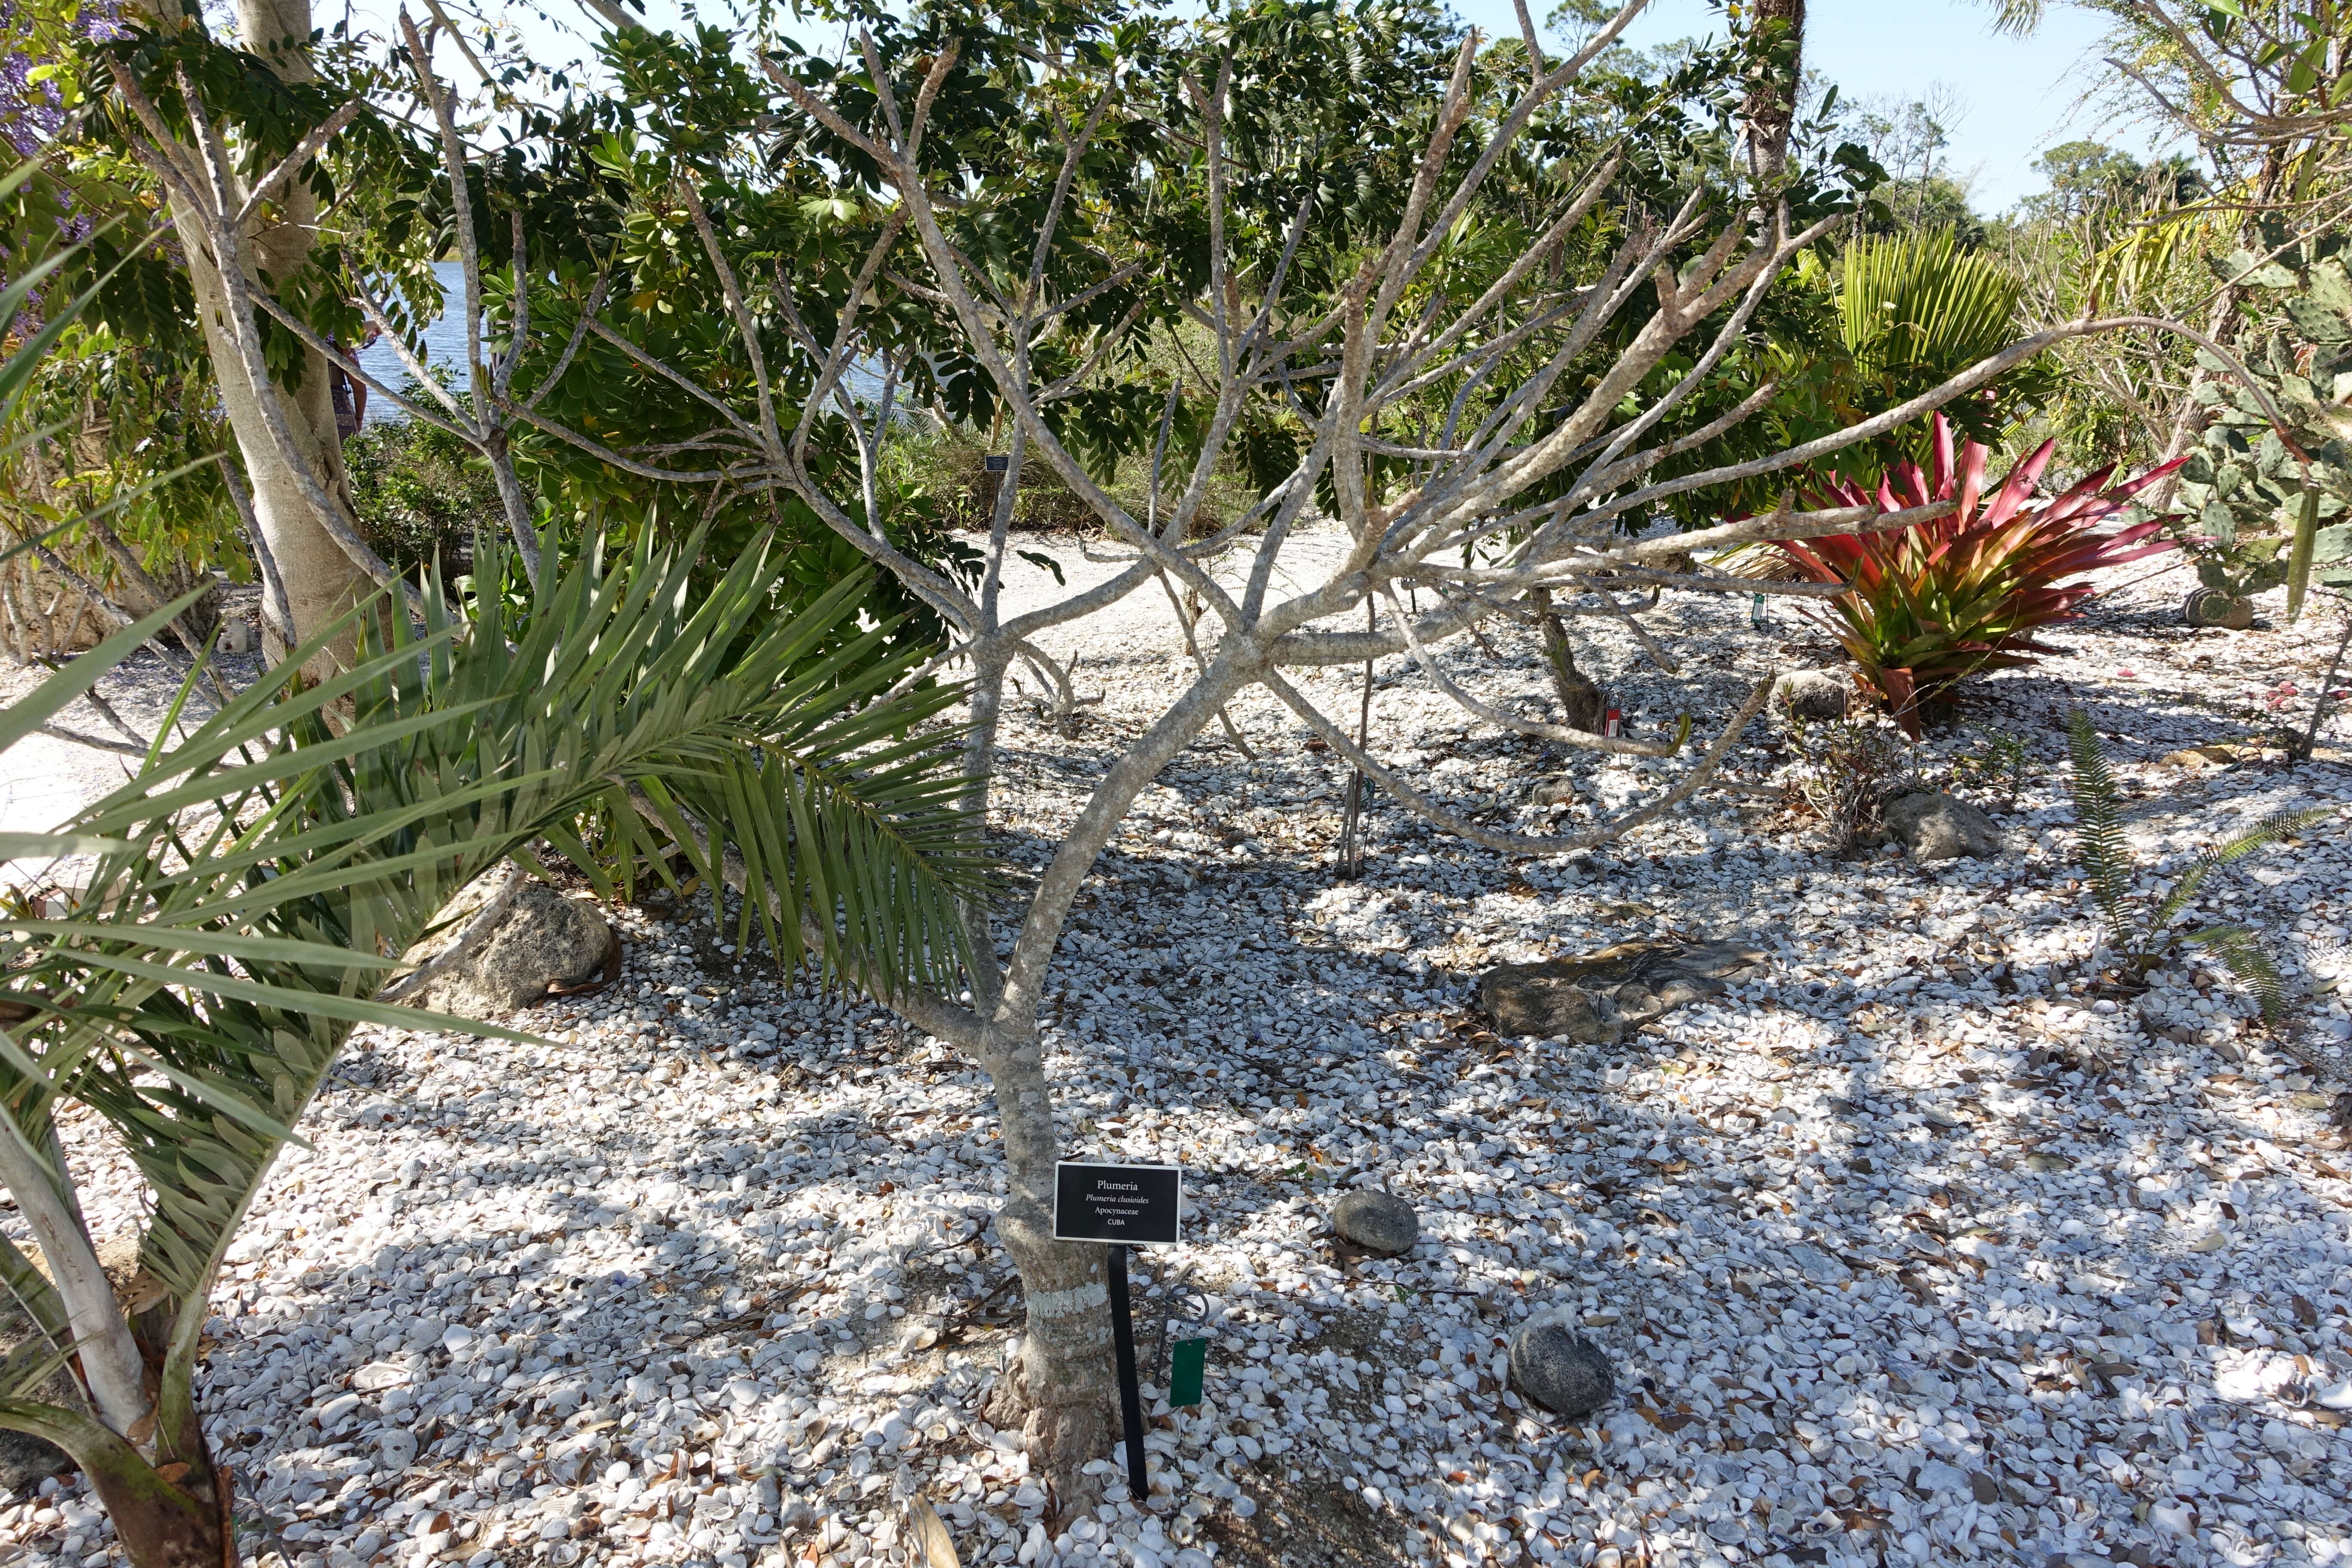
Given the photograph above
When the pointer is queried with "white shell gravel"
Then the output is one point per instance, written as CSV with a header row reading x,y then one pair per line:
x,y
1909,1254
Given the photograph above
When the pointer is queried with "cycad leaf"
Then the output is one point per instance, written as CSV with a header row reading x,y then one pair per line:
x,y
2105,853
2242,952
255,881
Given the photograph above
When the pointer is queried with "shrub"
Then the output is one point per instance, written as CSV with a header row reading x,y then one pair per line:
x,y
1845,774
1940,600
936,474
2243,482
422,492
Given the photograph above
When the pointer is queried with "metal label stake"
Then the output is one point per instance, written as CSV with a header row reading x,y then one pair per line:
x,y
1130,1391
1126,1206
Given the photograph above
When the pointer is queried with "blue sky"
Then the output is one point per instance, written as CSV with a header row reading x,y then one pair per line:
x,y
2016,97
2019,97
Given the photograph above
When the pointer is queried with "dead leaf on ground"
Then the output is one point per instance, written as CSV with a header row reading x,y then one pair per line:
x,y
930,1536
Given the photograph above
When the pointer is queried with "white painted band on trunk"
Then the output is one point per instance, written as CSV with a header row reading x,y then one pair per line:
x,y
1066,1303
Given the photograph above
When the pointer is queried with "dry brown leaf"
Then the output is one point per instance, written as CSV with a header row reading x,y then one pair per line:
x,y
930,1536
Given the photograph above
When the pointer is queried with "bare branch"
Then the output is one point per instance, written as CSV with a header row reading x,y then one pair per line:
x,y
1421,806
306,150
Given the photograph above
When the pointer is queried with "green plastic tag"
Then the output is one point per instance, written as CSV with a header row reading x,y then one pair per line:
x,y
1187,1361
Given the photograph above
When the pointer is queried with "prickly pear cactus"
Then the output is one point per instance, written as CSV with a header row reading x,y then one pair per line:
x,y
2249,521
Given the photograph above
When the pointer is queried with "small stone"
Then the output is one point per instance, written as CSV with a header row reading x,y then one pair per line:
x,y
380,1374
334,1410
1936,1476
1818,1265
1377,1221
1813,693
2199,759
1543,999
1556,789
1942,828
2218,607
1559,1369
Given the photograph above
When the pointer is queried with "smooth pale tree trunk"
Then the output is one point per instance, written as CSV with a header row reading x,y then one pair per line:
x,y
1060,1390
322,581
140,1445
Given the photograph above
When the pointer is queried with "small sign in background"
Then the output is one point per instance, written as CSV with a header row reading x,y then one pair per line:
x,y
1188,1365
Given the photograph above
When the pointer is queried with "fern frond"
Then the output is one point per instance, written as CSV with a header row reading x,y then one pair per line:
x,y
2105,853
2244,955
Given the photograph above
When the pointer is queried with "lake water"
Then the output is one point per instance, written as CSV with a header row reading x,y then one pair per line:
x,y
445,344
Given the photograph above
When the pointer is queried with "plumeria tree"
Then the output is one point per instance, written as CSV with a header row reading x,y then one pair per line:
x,y
1477,378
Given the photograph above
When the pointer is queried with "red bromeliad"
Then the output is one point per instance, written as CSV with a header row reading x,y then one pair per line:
x,y
1940,601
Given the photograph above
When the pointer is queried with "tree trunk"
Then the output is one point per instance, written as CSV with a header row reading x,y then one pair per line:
x,y
1060,1390
176,1517
986,713
1582,706
171,1505
1771,105
322,582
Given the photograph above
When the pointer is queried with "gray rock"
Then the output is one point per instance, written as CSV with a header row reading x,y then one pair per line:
x,y
1558,789
1377,1222
1813,693
2216,608
1559,1369
396,1447
1926,1382
1598,998
1936,1476
1942,828
545,941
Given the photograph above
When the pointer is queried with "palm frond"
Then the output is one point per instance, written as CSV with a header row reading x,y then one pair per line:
x,y
255,881
1918,301
2020,18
